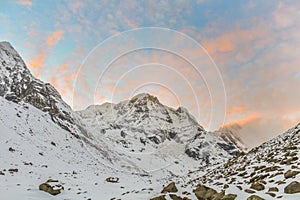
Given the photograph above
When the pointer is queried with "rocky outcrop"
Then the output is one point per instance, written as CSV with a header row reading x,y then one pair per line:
x,y
170,188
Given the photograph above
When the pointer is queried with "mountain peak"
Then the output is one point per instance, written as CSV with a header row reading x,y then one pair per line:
x,y
6,46
144,97
18,85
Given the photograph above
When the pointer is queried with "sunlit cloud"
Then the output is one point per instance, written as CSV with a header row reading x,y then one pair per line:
x,y
55,37
37,63
244,121
25,3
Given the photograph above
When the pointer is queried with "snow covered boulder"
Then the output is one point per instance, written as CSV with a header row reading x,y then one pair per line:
x,y
112,179
51,187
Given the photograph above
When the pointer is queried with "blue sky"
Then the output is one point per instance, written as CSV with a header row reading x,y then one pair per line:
x,y
255,45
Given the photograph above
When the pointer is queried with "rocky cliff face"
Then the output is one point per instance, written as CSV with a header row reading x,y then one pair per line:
x,y
18,85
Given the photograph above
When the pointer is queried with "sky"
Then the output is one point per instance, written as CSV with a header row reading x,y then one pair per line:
x,y
227,62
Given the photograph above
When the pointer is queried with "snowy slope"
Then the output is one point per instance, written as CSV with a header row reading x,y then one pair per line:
x,y
269,165
42,150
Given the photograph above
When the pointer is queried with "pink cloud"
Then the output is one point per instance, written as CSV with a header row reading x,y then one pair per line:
x,y
55,37
25,3
37,63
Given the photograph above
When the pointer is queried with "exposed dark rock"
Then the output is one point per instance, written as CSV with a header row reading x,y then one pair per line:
x,y
293,187
176,197
229,197
257,186
112,179
255,197
273,189
162,197
11,149
271,194
13,170
170,188
49,189
290,174
249,191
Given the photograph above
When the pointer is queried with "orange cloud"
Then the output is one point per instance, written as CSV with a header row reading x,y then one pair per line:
x,y
55,38
63,68
25,2
244,121
236,109
223,43
36,64
63,82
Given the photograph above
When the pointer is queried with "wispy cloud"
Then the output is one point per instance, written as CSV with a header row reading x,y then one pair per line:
x,y
56,36
37,63
25,3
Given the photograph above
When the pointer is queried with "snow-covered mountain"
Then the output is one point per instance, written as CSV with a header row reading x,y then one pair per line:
x,y
18,85
143,125
232,140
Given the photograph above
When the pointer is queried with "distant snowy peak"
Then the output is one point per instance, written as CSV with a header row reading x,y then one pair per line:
x,y
142,123
17,84
145,113
229,135
144,97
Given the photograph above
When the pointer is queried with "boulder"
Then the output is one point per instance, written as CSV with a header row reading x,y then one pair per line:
x,y
162,197
176,197
49,189
249,191
271,194
112,179
255,197
292,188
273,189
170,188
290,174
13,170
203,192
229,197
257,186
